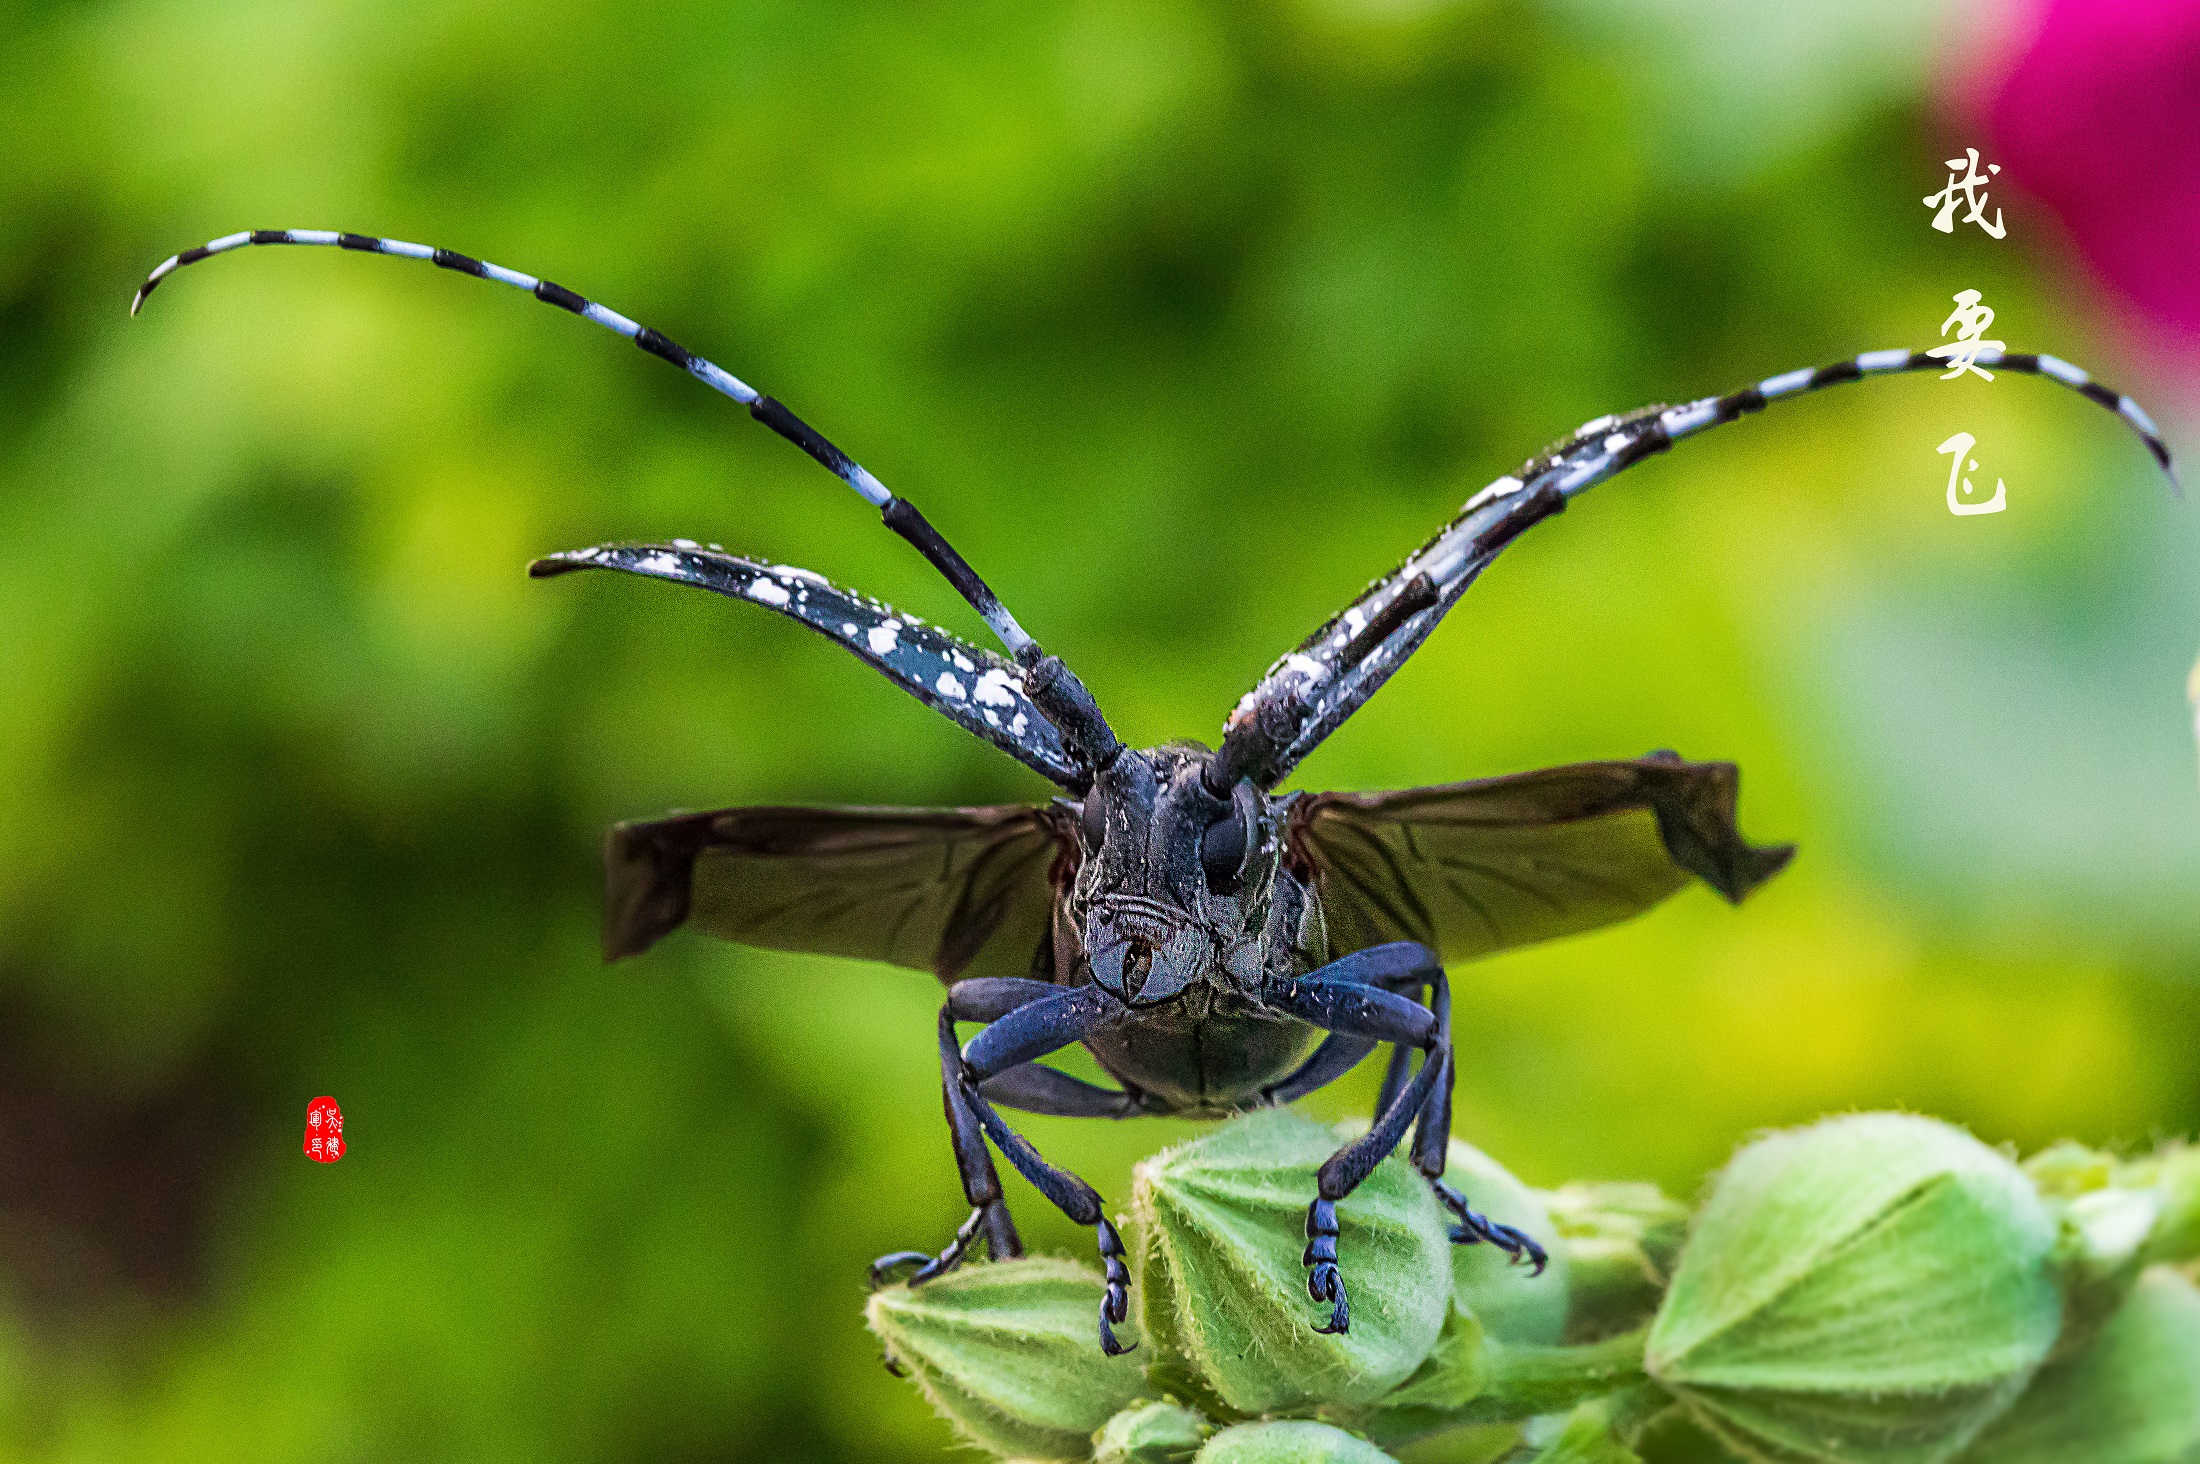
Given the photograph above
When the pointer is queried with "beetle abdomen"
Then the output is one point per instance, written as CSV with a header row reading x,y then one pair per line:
x,y
1206,1066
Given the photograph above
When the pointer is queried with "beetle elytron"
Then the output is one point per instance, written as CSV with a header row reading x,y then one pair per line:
x,y
1216,946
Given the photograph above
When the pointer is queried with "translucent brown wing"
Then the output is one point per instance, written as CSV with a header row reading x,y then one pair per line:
x,y
1474,868
954,891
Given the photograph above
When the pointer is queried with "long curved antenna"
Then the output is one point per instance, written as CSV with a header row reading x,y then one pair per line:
x,y
967,684
1052,685
1311,691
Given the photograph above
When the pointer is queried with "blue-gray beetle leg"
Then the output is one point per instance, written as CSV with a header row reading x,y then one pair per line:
x,y
1027,1020
1361,1001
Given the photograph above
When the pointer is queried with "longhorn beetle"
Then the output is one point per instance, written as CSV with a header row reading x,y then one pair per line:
x,y
1215,945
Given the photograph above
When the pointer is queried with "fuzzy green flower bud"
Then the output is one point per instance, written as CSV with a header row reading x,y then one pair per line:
x,y
1433,1400
1219,1227
2132,1397
1621,1242
1870,1290
1150,1433
2066,1170
2117,1218
1290,1443
1008,1354
2175,1174
2100,1256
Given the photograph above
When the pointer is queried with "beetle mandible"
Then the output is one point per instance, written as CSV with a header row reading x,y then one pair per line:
x,y
1215,945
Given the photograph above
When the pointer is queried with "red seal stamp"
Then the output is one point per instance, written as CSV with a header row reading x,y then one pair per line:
x,y
324,1131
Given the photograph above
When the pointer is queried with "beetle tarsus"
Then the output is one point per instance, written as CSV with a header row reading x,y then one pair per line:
x,y
884,1265
1115,1304
1475,1229
1325,1282
929,1267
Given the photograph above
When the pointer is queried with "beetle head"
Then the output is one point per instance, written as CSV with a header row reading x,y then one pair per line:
x,y
1174,882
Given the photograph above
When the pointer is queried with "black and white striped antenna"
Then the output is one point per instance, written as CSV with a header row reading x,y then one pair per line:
x,y
1053,686
1310,691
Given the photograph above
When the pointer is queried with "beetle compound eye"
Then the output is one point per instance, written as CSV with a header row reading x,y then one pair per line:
x,y
1094,820
1222,852
1227,847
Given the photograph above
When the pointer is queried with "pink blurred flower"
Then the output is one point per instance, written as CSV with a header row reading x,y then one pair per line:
x,y
2096,112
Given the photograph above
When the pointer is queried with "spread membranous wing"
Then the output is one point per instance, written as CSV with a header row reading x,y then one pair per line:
x,y
954,891
975,687
1474,868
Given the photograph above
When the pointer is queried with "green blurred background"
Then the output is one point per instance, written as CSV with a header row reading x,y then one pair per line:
x,y
1183,321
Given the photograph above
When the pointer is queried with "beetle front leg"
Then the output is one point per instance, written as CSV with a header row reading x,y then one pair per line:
x,y
1028,1033
1359,999
980,1000
1082,1203
1432,1143
981,1182
1027,1020
1016,1038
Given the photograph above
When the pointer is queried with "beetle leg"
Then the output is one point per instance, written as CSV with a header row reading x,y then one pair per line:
x,y
1037,1088
1395,1076
1026,1020
1363,999
1474,1228
1432,1145
1350,999
1008,1045
1076,1199
986,999
1338,1053
1330,1061
1030,1029
981,1182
